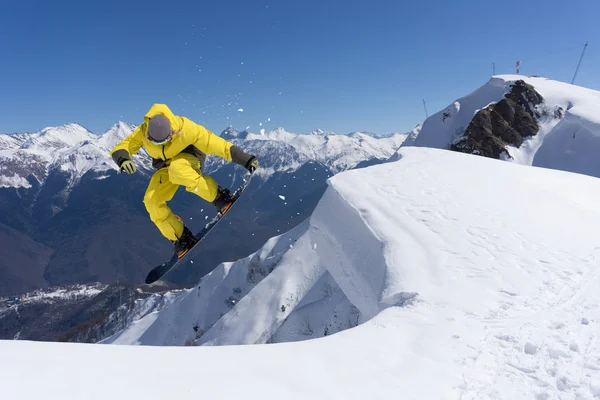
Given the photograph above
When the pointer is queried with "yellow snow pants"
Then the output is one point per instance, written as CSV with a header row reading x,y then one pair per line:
x,y
183,170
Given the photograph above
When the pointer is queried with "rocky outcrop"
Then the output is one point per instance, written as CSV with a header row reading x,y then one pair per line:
x,y
507,122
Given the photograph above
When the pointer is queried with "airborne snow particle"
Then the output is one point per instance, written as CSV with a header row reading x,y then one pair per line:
x,y
282,197
240,109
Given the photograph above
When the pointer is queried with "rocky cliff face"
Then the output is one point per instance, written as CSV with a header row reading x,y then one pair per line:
x,y
498,125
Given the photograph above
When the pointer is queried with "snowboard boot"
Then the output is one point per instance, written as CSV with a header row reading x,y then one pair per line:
x,y
185,242
223,200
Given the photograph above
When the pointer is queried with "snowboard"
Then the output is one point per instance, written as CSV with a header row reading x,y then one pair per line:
x,y
163,269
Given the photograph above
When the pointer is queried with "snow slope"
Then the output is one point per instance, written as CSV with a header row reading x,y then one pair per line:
x,y
574,143
353,365
276,276
477,275
569,136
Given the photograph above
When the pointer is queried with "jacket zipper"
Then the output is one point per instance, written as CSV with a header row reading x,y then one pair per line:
x,y
163,149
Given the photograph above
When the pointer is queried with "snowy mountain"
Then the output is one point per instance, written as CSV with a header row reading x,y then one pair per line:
x,y
336,152
452,288
230,133
527,120
60,192
71,149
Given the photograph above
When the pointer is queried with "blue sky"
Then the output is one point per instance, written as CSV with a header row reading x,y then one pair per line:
x,y
336,65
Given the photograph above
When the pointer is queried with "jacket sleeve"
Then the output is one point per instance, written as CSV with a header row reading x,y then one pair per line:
x,y
209,143
127,147
206,141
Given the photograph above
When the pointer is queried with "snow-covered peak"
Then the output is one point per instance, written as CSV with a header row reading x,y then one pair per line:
x,y
568,121
115,134
60,137
70,148
229,134
374,135
321,132
278,134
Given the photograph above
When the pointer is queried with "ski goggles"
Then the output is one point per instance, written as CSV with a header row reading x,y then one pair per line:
x,y
165,140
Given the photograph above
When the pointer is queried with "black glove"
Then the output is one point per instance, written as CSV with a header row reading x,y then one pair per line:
x,y
252,164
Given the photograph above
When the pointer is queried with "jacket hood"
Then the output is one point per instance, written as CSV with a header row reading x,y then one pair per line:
x,y
164,110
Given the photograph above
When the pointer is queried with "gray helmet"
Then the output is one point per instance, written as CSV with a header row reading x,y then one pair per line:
x,y
159,129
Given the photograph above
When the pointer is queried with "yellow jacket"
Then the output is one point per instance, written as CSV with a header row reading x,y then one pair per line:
x,y
189,138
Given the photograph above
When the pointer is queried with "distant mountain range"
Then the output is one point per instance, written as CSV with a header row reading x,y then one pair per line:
x,y
62,203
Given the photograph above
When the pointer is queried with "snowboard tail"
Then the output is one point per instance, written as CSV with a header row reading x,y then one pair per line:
x,y
159,272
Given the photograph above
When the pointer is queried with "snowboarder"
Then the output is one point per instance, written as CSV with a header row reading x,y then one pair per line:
x,y
178,147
